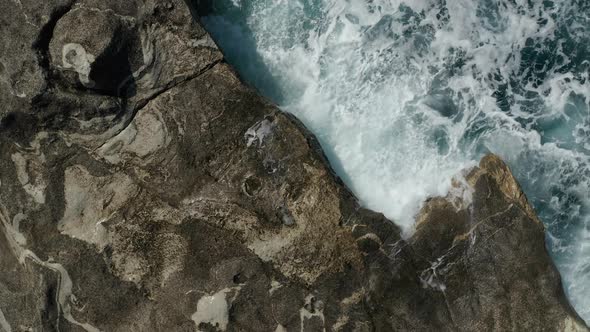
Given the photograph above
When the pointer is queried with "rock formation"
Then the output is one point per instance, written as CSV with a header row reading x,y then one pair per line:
x,y
143,187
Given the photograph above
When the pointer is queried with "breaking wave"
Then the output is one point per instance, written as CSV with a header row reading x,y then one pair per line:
x,y
404,94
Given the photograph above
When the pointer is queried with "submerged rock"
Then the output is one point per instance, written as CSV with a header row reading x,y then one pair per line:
x,y
145,188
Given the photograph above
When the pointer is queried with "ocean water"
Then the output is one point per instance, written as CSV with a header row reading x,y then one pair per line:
x,y
404,94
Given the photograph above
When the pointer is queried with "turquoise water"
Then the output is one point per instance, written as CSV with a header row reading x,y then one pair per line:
x,y
405,94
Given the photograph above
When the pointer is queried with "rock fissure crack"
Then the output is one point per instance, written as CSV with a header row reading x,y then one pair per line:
x,y
145,102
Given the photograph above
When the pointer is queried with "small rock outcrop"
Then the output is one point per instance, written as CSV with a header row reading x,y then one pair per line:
x,y
144,187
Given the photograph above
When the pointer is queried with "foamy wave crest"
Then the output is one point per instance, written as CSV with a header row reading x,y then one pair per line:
x,y
404,94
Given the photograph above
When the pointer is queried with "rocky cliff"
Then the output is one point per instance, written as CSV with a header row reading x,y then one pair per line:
x,y
143,187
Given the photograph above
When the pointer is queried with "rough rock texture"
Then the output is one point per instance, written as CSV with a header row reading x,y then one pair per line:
x,y
143,187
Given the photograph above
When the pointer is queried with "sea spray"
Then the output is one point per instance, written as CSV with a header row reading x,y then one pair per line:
x,y
404,94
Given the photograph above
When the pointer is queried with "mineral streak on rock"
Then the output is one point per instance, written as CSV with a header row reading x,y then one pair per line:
x,y
74,57
143,187
4,324
213,309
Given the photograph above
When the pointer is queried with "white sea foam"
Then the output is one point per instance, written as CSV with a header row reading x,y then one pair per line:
x,y
404,94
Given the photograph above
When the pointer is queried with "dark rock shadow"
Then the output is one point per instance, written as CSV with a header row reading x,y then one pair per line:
x,y
113,74
239,50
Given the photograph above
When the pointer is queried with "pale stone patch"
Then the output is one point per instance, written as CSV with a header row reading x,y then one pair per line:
x,y
31,180
205,41
232,216
75,57
345,304
95,122
269,245
214,309
340,322
4,325
258,132
429,278
64,290
173,256
318,311
274,285
130,266
29,168
145,135
17,242
133,264
314,218
90,201
16,234
571,325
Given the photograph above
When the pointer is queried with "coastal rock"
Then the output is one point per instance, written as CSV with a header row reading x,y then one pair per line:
x,y
144,187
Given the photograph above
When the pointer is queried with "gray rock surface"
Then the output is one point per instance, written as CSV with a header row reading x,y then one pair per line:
x,y
143,187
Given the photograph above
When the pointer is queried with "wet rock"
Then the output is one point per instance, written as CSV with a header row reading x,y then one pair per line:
x,y
493,248
144,187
